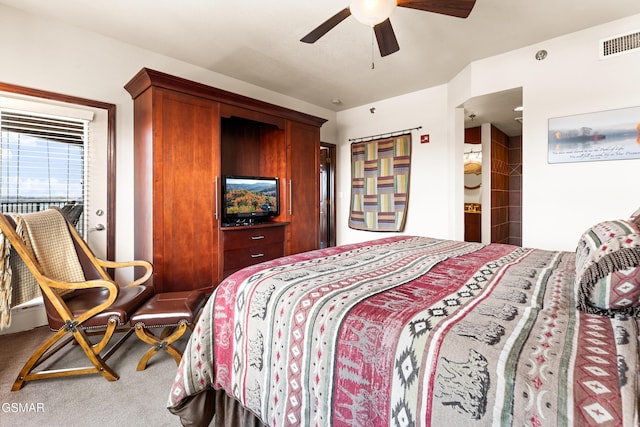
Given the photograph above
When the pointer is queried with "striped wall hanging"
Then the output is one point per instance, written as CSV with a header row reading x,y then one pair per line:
x,y
380,183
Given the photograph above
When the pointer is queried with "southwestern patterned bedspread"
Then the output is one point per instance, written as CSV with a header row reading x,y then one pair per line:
x,y
414,331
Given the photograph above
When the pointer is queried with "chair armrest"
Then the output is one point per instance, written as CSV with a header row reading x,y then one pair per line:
x,y
136,263
61,307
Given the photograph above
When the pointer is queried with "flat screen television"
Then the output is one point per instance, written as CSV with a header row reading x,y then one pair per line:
x,y
249,198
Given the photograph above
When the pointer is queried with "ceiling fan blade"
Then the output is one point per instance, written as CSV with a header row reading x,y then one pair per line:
x,y
457,8
387,42
326,26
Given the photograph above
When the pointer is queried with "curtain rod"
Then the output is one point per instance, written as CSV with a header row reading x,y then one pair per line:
x,y
388,134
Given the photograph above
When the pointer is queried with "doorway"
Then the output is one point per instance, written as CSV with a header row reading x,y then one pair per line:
x,y
494,123
99,197
100,191
327,195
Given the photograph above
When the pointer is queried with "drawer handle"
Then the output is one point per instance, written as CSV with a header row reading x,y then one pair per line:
x,y
257,237
257,255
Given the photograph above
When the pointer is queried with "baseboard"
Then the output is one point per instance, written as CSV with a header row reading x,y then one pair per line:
x,y
26,316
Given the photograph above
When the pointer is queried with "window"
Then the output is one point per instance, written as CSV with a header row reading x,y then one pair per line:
x,y
99,156
42,163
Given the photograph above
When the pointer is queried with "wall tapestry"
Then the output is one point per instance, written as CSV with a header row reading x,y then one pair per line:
x,y
606,135
380,183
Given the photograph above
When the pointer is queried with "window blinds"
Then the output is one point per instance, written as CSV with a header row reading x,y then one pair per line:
x,y
56,129
42,161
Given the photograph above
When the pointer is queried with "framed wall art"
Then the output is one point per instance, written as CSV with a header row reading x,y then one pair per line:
x,y
605,135
380,172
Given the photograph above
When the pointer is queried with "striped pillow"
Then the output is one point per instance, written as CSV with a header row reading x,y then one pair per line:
x,y
608,269
635,217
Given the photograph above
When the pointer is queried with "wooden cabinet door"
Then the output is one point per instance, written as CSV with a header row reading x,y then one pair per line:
x,y
186,191
303,194
178,154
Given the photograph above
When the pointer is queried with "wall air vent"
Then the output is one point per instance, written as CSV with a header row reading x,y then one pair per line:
x,y
618,45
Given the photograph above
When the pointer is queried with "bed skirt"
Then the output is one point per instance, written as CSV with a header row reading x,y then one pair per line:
x,y
215,408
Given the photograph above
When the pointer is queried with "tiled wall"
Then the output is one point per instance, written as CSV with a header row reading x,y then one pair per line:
x,y
506,185
499,186
506,188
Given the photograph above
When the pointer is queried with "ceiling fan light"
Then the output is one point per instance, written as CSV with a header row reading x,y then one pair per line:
x,y
372,12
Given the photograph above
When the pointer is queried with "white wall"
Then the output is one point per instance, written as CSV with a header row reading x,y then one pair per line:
x,y
428,185
60,58
559,200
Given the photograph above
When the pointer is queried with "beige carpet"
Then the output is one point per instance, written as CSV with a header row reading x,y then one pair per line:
x,y
136,399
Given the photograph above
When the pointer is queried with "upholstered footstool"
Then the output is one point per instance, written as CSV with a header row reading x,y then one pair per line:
x,y
172,311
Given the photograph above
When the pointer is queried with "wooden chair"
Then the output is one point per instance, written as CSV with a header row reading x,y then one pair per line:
x,y
72,211
95,305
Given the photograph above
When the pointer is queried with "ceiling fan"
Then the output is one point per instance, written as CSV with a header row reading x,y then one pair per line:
x,y
376,13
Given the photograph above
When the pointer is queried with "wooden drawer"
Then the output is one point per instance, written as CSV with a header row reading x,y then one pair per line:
x,y
251,245
251,237
236,259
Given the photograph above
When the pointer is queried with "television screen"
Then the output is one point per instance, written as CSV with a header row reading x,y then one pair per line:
x,y
250,197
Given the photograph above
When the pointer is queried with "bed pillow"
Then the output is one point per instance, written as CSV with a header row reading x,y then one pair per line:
x,y
635,217
608,269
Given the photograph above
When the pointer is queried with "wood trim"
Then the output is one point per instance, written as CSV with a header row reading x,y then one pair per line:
x,y
147,77
332,190
111,147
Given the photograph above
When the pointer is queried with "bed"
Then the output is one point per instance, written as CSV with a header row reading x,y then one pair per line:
x,y
417,331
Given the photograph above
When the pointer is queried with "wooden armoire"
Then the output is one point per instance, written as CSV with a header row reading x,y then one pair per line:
x,y
188,135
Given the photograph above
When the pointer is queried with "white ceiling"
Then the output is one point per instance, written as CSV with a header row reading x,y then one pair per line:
x,y
497,109
257,41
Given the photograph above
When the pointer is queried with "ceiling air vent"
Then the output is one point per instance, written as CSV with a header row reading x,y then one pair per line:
x,y
624,43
